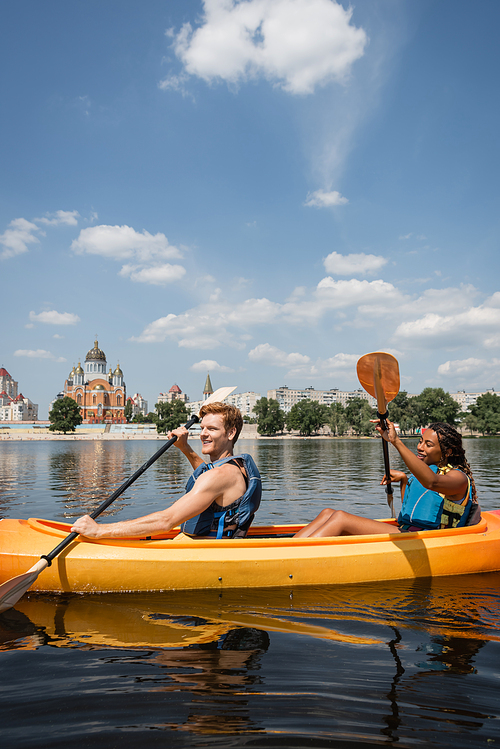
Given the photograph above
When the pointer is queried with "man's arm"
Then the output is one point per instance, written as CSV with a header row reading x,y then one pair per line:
x,y
207,488
182,443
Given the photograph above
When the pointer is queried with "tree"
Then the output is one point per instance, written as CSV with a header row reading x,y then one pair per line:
x,y
170,416
434,404
471,422
127,411
270,417
487,412
358,413
307,417
337,420
400,411
65,415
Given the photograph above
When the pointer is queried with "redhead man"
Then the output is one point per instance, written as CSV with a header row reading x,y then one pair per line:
x,y
221,497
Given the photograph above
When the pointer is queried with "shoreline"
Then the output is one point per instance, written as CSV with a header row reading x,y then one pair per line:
x,y
156,437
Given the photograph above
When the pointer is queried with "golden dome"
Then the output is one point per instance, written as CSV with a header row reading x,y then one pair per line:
x,y
79,369
99,387
95,354
118,371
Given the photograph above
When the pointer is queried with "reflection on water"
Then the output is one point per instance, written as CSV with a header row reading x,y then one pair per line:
x,y
62,480
400,662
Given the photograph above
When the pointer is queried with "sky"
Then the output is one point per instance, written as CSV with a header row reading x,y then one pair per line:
x,y
264,190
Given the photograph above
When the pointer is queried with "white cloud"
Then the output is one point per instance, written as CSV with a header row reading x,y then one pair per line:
x,y
68,218
471,374
340,364
17,237
322,199
147,251
347,265
222,323
206,365
51,317
158,275
296,44
470,366
264,353
123,242
38,354
300,365
476,325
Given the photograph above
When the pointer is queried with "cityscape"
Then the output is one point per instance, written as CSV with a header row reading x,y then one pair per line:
x,y
102,395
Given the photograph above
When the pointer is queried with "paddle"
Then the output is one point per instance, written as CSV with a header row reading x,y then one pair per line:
x,y
12,590
378,373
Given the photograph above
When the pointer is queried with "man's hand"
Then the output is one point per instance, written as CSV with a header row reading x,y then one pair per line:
x,y
87,527
182,436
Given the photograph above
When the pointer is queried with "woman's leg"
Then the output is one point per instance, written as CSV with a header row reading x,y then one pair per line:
x,y
339,523
310,529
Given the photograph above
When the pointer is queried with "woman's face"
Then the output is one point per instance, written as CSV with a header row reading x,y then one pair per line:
x,y
428,449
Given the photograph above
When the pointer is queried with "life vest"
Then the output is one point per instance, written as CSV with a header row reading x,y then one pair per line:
x,y
427,510
214,520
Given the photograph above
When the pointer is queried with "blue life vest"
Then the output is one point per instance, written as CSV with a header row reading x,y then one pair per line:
x,y
214,520
427,510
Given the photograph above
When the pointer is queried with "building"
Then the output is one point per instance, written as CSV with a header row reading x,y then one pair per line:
x,y
288,397
100,395
13,405
208,389
468,399
174,394
244,401
139,405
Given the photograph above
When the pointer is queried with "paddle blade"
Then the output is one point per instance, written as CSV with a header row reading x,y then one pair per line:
x,y
378,373
219,395
12,590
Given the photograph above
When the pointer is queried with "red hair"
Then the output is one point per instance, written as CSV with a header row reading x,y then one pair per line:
x,y
231,416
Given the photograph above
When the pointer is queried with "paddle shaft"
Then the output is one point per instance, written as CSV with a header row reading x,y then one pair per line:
x,y
382,414
71,537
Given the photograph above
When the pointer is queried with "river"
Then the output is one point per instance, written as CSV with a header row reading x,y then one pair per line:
x,y
400,663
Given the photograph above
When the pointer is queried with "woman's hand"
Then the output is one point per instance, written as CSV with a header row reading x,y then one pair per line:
x,y
389,435
396,478
87,527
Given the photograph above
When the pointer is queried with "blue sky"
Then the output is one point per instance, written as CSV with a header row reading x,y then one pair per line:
x,y
265,189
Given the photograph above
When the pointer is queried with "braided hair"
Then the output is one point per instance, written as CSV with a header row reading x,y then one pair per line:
x,y
451,440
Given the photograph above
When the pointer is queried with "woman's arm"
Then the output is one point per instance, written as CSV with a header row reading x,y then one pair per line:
x,y
452,484
397,477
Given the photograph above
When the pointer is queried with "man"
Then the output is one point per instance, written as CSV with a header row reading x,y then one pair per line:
x,y
221,496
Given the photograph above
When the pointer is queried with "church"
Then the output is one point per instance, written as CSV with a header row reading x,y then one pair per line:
x,y
100,395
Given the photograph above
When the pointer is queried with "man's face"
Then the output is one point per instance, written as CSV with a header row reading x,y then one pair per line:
x,y
214,438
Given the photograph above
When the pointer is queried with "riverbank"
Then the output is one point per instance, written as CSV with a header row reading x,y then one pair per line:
x,y
36,433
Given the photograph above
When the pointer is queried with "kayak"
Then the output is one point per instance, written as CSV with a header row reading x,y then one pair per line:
x,y
267,557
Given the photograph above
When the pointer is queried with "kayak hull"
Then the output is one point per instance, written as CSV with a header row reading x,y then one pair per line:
x,y
177,562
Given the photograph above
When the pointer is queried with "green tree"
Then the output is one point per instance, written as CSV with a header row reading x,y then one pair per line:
x,y
358,413
487,412
65,415
337,420
270,417
307,417
170,416
471,422
127,411
400,411
434,404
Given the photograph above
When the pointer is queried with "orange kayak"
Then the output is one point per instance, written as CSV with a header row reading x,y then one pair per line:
x,y
267,557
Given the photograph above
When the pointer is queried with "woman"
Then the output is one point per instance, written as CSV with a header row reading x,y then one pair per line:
x,y
439,493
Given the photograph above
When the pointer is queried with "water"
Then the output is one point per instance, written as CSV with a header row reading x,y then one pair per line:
x,y
400,663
